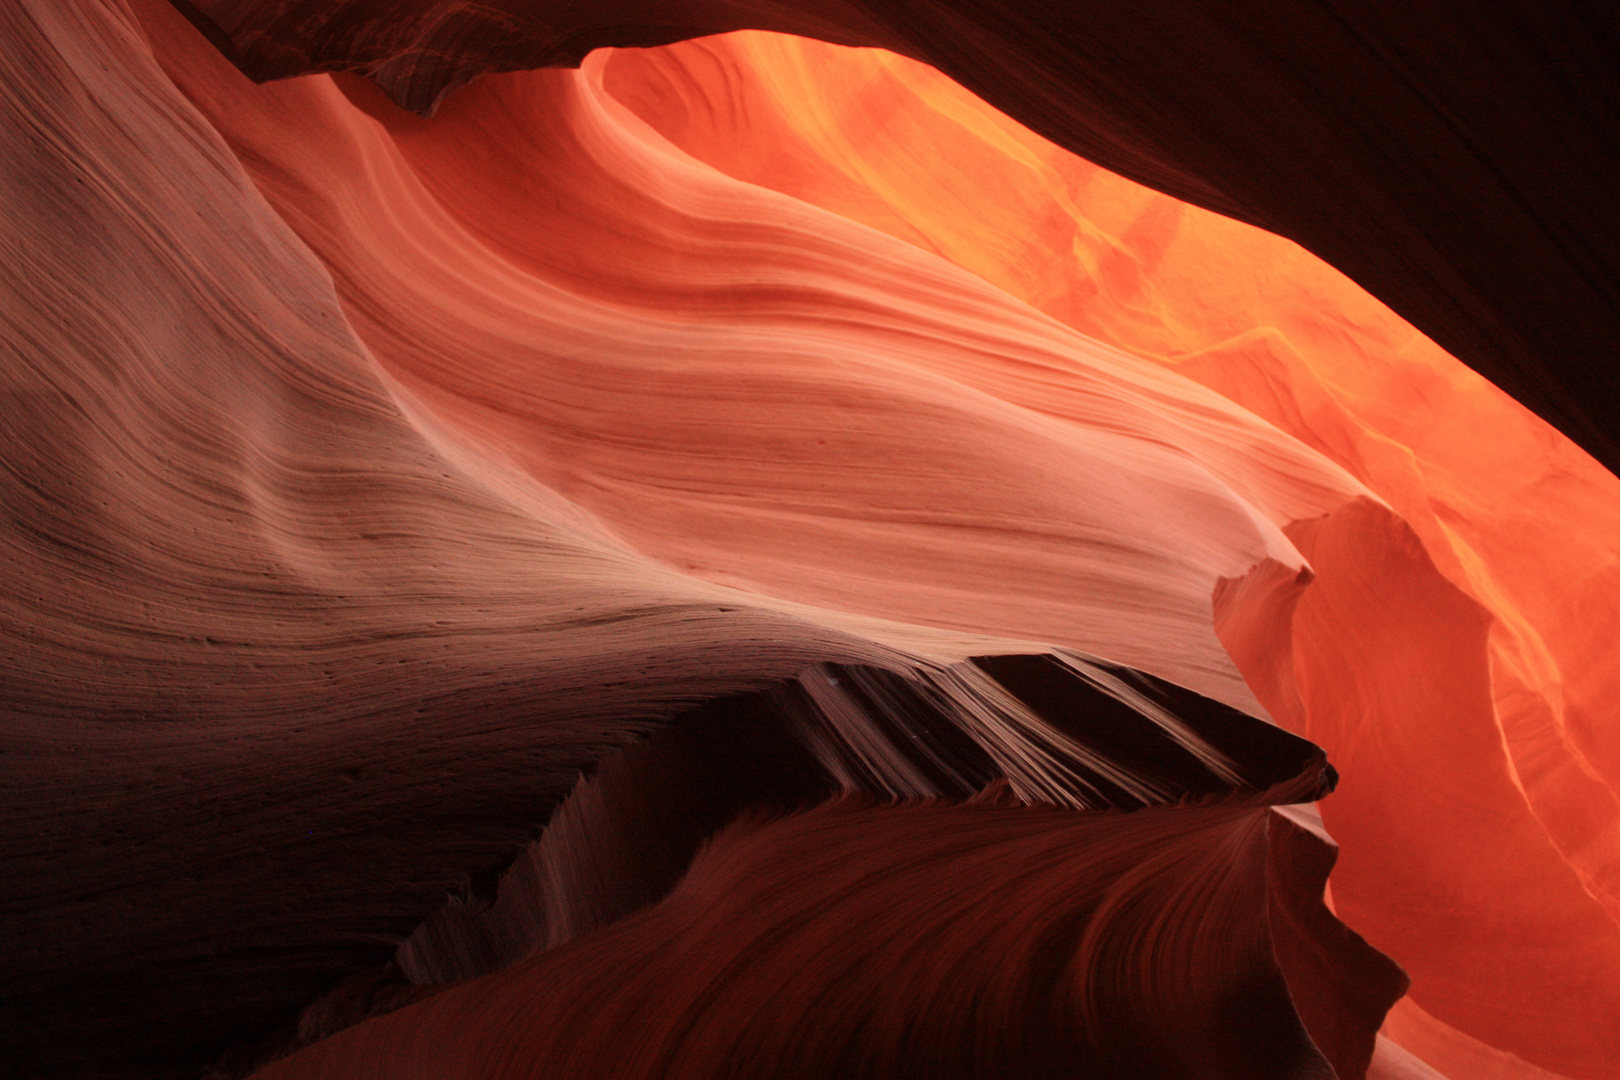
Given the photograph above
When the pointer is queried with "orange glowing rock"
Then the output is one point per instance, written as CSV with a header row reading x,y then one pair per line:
x,y
372,475
758,392
1506,510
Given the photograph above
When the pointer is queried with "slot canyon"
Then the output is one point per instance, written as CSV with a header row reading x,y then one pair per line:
x,y
810,539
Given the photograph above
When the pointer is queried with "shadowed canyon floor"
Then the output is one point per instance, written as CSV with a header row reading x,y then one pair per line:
x,y
743,544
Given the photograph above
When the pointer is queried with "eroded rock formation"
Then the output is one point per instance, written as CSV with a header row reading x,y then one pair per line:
x,y
1432,152
372,476
1478,481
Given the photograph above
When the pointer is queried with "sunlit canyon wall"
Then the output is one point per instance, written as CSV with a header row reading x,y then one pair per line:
x,y
738,558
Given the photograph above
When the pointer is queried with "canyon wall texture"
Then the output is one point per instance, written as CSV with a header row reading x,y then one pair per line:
x,y
739,558
1433,152
1482,484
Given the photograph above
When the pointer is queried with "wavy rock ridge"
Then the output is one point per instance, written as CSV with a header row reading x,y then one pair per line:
x,y
1429,152
1503,510
1100,942
371,476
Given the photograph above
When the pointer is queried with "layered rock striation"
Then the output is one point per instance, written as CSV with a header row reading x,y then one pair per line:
x,y
634,550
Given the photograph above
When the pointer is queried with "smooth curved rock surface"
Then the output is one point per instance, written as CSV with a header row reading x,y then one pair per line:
x,y
1430,151
278,672
972,941
370,478
1508,512
654,341
290,652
